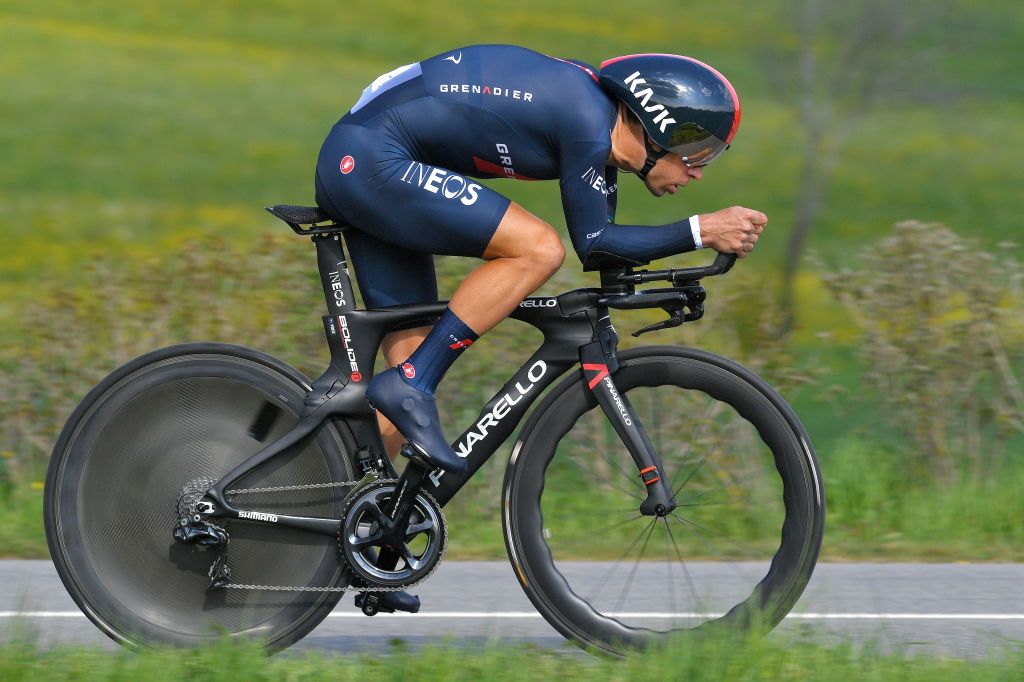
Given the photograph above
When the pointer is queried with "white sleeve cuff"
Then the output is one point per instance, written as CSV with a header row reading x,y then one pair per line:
x,y
695,228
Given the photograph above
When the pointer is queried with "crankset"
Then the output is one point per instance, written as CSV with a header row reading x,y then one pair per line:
x,y
384,550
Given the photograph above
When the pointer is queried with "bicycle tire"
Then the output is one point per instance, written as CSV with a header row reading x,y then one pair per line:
x,y
540,468
151,426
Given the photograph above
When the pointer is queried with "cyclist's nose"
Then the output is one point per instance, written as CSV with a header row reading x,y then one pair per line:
x,y
696,173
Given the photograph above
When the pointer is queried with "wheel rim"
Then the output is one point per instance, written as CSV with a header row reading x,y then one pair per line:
x,y
147,437
662,581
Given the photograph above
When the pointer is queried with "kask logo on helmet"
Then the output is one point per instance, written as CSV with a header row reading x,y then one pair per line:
x,y
644,96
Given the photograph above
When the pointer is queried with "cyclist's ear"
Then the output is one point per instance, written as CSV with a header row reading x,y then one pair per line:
x,y
630,118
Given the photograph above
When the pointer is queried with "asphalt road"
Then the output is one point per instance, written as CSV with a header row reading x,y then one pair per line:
x,y
963,610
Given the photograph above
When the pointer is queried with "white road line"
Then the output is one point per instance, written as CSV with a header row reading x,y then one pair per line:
x,y
645,615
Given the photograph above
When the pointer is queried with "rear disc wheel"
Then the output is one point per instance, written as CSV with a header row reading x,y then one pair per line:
x,y
165,419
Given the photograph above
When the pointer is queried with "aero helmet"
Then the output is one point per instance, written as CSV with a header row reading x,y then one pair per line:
x,y
687,107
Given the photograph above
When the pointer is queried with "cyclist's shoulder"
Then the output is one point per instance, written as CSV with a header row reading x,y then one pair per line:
x,y
514,61
560,95
493,54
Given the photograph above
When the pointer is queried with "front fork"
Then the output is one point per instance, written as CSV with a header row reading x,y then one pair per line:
x,y
599,360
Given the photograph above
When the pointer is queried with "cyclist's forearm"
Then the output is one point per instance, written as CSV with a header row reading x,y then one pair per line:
x,y
645,242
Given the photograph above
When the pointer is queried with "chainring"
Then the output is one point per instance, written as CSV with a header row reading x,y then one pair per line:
x,y
360,542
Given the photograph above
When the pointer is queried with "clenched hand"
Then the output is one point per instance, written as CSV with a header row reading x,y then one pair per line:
x,y
732,230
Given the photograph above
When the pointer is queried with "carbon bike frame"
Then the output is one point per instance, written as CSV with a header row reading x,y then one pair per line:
x,y
577,329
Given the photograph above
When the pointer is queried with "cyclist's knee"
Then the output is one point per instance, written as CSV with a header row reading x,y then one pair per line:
x,y
547,250
525,237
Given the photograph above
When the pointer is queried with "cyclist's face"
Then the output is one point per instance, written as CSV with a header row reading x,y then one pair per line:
x,y
669,174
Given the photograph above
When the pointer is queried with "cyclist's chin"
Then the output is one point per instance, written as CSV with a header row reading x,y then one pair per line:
x,y
656,191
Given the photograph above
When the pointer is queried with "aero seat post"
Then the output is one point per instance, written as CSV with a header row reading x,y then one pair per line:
x,y
334,275
338,294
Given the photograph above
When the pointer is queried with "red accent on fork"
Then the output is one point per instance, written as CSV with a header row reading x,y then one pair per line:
x,y
602,372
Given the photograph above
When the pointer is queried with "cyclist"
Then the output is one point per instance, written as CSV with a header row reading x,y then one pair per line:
x,y
399,166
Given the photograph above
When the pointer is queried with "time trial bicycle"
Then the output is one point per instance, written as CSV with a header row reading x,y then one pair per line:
x,y
208,489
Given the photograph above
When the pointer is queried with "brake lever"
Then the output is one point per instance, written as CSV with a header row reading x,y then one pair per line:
x,y
673,321
676,317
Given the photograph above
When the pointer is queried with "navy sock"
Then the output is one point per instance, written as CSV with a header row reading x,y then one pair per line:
x,y
445,342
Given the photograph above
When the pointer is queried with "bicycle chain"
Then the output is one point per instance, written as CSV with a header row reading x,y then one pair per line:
x,y
283,488
309,486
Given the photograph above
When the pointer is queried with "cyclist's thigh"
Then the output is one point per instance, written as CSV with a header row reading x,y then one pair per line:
x,y
388,274
373,182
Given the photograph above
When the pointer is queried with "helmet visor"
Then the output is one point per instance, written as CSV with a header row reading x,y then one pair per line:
x,y
695,145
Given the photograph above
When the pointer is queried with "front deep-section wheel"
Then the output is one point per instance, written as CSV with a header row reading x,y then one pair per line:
x,y
737,551
161,425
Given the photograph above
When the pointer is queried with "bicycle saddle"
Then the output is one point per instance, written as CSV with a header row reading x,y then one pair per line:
x,y
300,215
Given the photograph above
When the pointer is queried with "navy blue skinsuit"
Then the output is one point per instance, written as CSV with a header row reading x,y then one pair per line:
x,y
399,165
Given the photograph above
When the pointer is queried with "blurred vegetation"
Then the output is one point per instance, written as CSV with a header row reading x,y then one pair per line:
x,y
779,656
941,336
142,139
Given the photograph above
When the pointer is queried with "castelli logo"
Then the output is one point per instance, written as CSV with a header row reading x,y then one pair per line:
x,y
348,164
357,376
408,370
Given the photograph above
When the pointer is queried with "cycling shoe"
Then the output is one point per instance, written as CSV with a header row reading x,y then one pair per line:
x,y
414,414
387,602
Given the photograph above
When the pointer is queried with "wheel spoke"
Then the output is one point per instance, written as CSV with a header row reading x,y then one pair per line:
x,y
686,572
589,536
615,567
668,565
703,461
741,483
588,472
636,564
702,429
700,504
708,533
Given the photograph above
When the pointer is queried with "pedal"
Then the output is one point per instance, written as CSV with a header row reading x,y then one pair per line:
x,y
387,602
415,454
370,604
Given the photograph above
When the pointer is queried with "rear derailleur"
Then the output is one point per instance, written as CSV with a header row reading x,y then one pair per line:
x,y
194,529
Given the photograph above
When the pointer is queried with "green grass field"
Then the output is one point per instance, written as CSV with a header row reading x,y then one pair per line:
x,y
779,657
133,128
